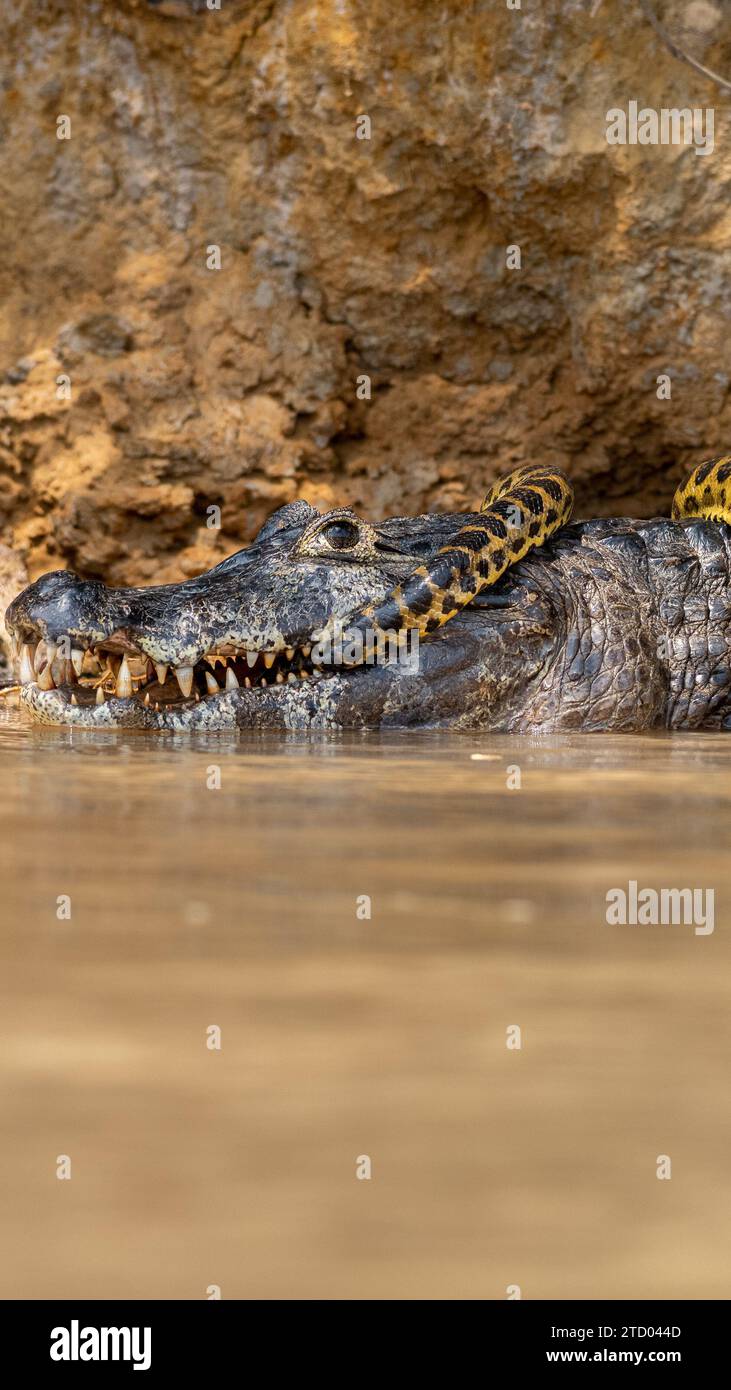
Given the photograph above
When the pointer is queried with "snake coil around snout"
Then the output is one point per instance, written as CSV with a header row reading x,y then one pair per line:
x,y
518,513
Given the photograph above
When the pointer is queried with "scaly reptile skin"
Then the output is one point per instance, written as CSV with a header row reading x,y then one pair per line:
x,y
528,623
518,514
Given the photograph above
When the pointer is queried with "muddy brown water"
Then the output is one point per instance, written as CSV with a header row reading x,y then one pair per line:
x,y
343,1036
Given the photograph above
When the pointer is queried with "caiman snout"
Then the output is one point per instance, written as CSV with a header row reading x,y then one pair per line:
x,y
88,644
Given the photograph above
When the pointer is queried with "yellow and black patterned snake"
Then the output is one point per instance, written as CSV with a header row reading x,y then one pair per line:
x,y
518,513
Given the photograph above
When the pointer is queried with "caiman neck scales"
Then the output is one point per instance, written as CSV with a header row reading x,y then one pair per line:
x,y
527,623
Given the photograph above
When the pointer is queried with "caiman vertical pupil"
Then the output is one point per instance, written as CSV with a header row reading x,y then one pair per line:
x,y
341,535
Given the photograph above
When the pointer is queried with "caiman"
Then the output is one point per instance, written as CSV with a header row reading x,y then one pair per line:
x,y
513,618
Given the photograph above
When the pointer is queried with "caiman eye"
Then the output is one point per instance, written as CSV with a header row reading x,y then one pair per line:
x,y
341,535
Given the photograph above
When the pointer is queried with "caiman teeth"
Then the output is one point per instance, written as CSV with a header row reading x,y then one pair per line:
x,y
184,677
27,668
124,681
126,671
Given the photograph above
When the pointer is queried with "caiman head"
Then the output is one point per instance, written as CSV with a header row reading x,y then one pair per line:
x,y
234,647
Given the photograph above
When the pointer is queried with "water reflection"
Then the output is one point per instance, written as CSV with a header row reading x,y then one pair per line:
x,y
230,898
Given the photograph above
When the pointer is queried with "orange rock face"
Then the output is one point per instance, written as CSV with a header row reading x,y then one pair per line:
x,y
262,252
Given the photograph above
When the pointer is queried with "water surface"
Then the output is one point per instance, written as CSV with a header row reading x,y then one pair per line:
x,y
241,906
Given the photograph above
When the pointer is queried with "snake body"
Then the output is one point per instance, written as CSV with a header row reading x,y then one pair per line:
x,y
706,493
520,512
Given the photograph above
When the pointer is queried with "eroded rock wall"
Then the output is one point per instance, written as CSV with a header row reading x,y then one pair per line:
x,y
193,387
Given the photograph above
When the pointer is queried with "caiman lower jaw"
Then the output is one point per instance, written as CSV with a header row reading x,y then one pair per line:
x,y
106,687
307,705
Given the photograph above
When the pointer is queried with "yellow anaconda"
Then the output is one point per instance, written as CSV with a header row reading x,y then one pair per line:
x,y
706,493
518,513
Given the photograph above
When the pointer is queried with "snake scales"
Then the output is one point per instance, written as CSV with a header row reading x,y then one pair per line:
x,y
518,513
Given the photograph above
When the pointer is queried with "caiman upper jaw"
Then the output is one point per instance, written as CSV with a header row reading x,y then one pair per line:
x,y
75,644
88,642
